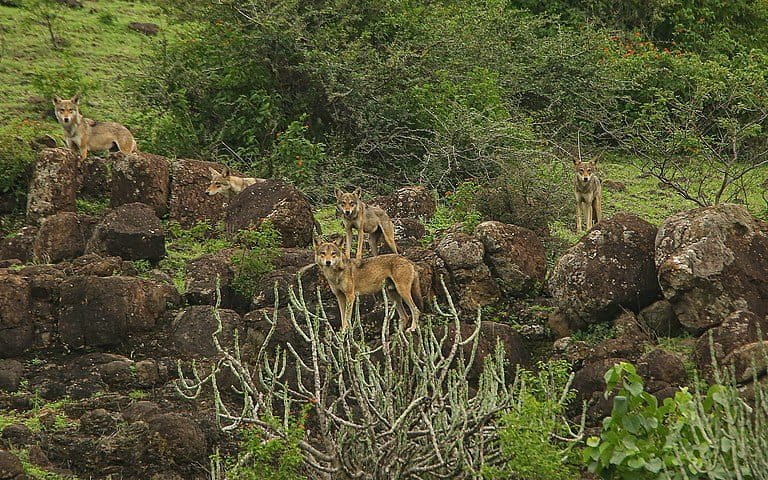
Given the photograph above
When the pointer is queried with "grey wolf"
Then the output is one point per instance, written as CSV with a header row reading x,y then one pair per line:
x,y
368,219
348,277
228,184
589,193
89,135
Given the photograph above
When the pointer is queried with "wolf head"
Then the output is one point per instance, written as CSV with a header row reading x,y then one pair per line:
x,y
66,111
219,183
328,254
348,204
585,171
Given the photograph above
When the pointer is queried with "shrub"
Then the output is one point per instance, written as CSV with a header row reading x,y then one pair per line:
x,y
528,432
263,458
259,249
460,207
17,157
713,434
296,157
378,411
532,194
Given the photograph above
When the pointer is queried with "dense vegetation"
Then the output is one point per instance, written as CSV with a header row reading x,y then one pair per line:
x,y
485,102
384,93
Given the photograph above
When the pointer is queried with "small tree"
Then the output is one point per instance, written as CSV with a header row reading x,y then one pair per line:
x,y
48,13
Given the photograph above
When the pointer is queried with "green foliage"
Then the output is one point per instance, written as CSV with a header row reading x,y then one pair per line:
x,y
35,472
260,248
713,435
183,245
707,26
142,266
272,459
16,157
108,18
526,436
459,207
296,157
64,79
91,206
595,333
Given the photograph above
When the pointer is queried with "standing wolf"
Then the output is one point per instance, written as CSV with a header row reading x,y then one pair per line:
x,y
365,219
347,277
589,193
88,134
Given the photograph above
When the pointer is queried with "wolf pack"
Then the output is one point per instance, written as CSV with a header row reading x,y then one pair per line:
x,y
346,275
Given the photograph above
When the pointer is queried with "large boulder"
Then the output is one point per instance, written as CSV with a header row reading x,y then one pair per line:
x,y
738,329
63,235
286,207
93,177
20,245
131,231
713,261
54,184
414,202
748,362
178,438
471,278
189,203
11,373
16,327
611,268
140,177
202,275
193,327
104,311
589,381
515,255
660,318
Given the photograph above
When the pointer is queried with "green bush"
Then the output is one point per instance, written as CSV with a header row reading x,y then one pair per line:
x,y
526,437
259,249
714,434
459,208
17,157
296,157
271,459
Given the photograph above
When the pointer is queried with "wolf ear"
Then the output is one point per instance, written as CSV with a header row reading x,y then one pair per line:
x,y
76,98
357,192
575,160
316,240
595,159
56,100
213,172
339,241
338,193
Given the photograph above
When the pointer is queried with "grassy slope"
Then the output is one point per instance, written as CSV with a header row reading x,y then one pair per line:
x,y
106,55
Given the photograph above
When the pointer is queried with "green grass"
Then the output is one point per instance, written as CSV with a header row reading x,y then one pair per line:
x,y
99,59
31,418
35,472
644,198
329,223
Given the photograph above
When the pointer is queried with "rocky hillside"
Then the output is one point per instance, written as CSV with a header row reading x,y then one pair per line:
x,y
93,323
